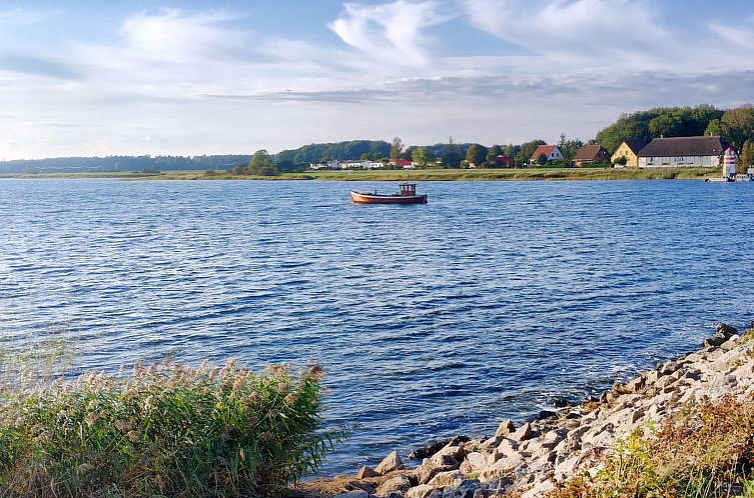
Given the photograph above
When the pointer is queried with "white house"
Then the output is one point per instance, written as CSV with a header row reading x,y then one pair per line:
x,y
705,152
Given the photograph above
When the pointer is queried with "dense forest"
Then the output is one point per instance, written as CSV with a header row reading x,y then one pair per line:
x,y
340,151
735,126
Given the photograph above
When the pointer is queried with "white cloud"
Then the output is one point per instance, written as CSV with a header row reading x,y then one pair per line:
x,y
392,31
740,37
607,32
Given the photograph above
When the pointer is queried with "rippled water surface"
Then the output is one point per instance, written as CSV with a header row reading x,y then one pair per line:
x,y
430,320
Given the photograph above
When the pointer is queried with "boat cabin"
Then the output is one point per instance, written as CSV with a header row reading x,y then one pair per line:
x,y
408,189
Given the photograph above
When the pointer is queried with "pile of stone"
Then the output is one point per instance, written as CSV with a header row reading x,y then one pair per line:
x,y
530,459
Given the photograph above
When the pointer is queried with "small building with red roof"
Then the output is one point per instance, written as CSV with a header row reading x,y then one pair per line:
x,y
505,161
551,152
591,154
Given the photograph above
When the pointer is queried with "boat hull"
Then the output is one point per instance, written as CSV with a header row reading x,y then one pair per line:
x,y
367,198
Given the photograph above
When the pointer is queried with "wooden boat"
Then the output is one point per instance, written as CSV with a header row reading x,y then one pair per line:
x,y
407,195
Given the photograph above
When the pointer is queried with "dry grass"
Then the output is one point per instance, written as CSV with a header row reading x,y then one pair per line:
x,y
707,450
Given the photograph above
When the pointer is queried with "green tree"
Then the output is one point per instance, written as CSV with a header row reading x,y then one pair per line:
x,y
420,156
542,159
747,156
492,154
471,154
395,149
739,123
451,155
261,164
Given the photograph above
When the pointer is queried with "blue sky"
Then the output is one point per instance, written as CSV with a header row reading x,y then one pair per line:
x,y
204,77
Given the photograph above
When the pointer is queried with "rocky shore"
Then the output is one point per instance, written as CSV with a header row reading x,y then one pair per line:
x,y
530,460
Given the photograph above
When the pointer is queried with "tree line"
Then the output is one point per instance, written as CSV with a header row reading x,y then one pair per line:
x,y
735,126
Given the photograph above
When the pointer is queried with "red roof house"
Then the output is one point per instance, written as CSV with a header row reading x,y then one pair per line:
x,y
591,154
550,151
505,161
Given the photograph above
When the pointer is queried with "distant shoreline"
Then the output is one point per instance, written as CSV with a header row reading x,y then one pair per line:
x,y
527,174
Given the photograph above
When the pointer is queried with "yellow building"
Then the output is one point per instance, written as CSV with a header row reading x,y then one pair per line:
x,y
629,150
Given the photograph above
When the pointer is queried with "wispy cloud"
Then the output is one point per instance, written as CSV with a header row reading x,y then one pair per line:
x,y
608,32
391,32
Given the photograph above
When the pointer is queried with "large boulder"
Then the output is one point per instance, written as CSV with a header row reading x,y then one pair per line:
x,y
505,428
394,484
390,463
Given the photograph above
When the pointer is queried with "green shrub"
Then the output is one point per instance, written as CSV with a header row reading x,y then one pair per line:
x,y
166,430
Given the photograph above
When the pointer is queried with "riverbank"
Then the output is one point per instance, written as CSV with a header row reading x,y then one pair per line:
x,y
685,424
528,174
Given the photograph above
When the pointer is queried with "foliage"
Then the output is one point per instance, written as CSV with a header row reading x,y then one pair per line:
x,y
622,160
736,125
122,163
261,164
167,430
569,148
452,154
662,121
476,155
340,151
705,451
396,148
421,156
542,159
747,154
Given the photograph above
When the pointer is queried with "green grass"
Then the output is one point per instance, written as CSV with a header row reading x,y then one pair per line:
x,y
528,174
165,430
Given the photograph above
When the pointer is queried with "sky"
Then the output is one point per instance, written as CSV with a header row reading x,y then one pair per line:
x,y
94,78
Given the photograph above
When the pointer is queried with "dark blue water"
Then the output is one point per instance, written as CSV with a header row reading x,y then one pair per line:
x,y
430,320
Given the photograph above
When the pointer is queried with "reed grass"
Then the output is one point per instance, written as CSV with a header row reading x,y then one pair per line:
x,y
164,430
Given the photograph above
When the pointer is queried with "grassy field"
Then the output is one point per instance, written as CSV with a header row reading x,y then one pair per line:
x,y
416,175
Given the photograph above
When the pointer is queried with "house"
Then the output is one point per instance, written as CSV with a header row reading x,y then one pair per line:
x,y
550,151
403,164
591,154
630,150
325,165
360,164
505,161
705,152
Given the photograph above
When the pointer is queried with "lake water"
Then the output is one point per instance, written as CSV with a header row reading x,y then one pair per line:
x,y
489,302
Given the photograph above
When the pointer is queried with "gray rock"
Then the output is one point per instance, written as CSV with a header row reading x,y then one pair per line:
x,y
353,494
476,461
505,428
394,484
714,341
451,455
446,479
726,330
365,472
390,463
420,491
465,489
428,470
523,433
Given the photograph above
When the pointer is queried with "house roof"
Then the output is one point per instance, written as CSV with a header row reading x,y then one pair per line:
x,y
543,149
635,145
684,146
588,152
